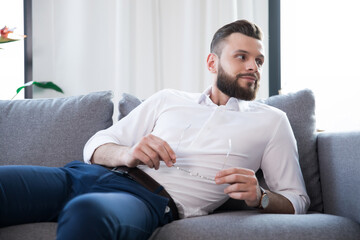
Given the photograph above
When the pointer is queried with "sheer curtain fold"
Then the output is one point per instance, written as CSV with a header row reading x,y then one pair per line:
x,y
134,46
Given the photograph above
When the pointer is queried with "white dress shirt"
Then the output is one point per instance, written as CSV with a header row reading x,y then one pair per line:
x,y
199,132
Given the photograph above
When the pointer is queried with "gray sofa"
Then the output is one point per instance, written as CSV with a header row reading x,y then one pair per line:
x,y
52,132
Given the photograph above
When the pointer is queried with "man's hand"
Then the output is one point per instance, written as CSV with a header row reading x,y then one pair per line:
x,y
243,185
150,151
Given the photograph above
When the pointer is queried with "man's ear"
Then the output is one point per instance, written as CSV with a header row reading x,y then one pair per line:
x,y
211,62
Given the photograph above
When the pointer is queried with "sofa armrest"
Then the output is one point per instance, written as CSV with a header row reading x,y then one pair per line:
x,y
339,161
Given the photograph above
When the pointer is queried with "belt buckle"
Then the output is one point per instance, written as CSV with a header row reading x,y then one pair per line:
x,y
122,172
167,209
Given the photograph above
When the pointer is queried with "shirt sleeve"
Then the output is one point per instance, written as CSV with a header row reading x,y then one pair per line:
x,y
280,165
130,129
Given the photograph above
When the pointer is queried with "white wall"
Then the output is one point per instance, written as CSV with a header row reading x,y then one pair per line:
x,y
134,46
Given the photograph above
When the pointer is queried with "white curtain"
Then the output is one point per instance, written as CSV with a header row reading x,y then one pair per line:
x,y
134,46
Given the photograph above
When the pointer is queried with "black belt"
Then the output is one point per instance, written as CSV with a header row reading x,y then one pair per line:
x,y
149,183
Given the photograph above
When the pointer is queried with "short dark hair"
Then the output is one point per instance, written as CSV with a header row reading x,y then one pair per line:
x,y
240,26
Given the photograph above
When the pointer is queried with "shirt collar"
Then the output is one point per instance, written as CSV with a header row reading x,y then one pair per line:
x,y
233,104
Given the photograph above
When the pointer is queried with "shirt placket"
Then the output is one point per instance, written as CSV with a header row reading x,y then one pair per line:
x,y
212,122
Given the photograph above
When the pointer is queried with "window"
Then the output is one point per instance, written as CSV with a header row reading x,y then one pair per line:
x,y
12,54
320,51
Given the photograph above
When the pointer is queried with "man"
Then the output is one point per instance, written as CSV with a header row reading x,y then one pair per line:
x,y
202,148
260,135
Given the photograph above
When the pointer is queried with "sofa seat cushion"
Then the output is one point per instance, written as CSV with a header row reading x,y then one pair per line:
x,y
252,225
38,231
227,225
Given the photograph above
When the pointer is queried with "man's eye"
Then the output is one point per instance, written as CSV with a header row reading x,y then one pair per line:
x,y
242,57
259,62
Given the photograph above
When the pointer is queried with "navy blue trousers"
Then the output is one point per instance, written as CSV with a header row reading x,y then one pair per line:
x,y
87,201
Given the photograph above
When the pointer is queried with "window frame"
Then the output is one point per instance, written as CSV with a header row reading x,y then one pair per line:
x,y
274,48
28,70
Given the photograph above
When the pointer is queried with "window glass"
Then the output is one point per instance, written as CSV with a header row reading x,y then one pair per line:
x,y
320,50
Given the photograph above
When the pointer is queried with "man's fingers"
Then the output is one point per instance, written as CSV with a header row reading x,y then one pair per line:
x,y
242,196
164,151
151,149
231,171
171,152
239,187
237,178
142,154
152,157
244,192
243,184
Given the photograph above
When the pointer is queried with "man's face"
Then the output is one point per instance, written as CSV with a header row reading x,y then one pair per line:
x,y
239,66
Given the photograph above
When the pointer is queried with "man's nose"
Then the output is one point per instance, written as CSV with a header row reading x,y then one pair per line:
x,y
252,66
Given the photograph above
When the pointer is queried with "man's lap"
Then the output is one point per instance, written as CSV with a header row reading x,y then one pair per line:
x,y
35,194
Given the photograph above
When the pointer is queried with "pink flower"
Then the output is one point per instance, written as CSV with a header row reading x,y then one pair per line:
x,y
5,32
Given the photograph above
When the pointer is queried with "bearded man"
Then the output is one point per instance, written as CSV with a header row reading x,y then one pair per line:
x,y
177,155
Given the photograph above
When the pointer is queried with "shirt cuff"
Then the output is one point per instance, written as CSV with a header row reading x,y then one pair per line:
x,y
300,202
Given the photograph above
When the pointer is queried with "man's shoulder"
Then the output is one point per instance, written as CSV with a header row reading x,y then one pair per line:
x,y
261,106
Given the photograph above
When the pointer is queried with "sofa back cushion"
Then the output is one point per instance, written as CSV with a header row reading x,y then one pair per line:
x,y
51,132
300,109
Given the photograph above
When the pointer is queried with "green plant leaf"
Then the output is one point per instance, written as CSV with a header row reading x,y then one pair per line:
x,y
6,40
49,85
26,85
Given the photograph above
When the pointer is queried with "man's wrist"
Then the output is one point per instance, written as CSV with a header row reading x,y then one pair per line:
x,y
264,199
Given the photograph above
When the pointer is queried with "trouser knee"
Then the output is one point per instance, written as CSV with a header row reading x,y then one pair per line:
x,y
87,217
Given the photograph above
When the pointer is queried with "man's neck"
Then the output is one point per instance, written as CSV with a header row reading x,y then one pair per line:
x,y
218,97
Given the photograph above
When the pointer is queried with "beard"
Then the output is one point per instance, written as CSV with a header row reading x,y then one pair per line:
x,y
229,85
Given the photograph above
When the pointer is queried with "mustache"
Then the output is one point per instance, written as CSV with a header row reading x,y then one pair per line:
x,y
247,75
